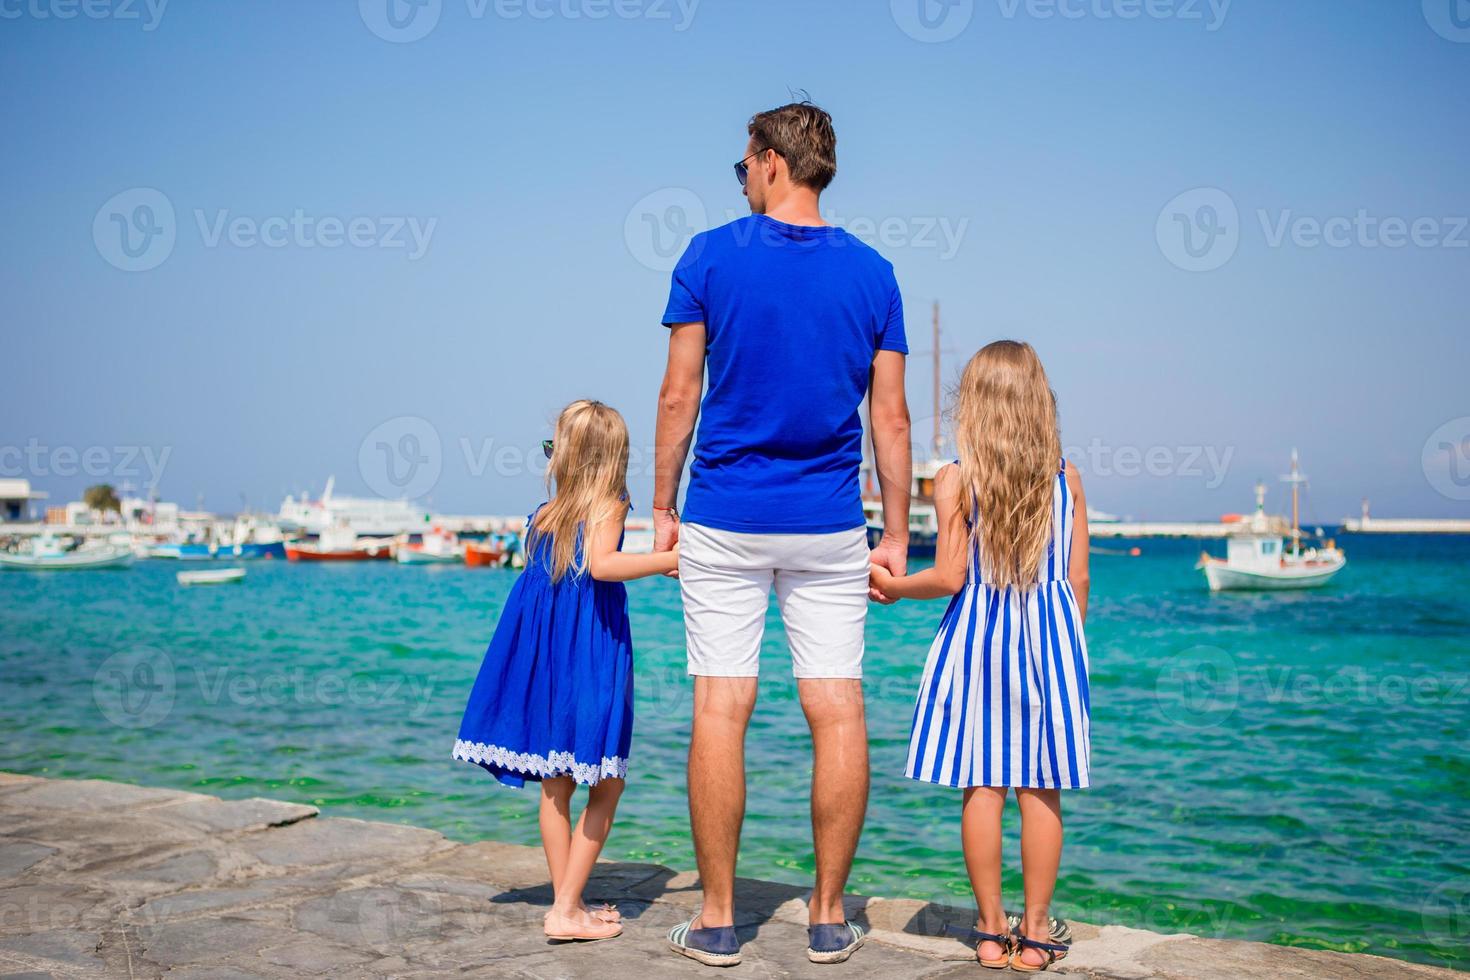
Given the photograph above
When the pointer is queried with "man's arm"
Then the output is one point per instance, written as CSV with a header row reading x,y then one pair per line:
x,y
678,408
888,410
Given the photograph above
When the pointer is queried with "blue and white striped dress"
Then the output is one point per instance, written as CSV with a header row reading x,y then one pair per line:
x,y
1004,698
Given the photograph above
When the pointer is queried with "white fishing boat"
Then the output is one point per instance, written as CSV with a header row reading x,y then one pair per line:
x,y
211,576
437,547
1256,557
49,553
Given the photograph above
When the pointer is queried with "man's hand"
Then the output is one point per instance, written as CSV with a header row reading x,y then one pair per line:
x,y
666,534
892,555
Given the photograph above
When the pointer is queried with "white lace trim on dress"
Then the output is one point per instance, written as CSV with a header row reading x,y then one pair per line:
x,y
544,766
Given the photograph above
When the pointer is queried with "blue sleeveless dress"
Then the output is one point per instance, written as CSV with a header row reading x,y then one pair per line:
x,y
554,696
1004,700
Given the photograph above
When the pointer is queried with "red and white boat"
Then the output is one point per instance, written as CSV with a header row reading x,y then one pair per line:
x,y
483,554
340,544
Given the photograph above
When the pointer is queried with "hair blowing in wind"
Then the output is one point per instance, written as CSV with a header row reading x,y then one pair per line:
x,y
1009,449
588,481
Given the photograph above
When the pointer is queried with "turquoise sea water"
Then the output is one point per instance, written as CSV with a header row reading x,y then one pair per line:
x,y
1292,767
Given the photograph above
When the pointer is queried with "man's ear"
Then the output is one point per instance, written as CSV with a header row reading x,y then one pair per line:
x,y
771,161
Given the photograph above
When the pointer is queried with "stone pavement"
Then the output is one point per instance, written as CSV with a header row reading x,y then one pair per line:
x,y
101,879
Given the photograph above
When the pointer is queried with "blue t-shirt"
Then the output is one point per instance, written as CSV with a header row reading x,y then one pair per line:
x,y
793,318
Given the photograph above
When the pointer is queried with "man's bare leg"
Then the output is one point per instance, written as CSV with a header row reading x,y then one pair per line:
x,y
834,711
722,707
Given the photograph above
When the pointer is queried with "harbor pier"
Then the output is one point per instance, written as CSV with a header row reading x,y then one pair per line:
x,y
101,879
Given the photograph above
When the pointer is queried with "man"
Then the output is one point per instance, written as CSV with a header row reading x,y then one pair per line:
x,y
796,322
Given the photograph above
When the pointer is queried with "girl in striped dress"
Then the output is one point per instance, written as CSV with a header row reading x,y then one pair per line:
x,y
1004,701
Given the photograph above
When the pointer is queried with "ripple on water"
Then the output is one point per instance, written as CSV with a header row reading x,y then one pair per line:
x,y
1314,796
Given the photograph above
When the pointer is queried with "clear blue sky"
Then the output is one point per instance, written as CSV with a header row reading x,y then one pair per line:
x,y
1047,145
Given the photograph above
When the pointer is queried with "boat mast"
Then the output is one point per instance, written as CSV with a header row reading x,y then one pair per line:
x,y
938,435
1296,480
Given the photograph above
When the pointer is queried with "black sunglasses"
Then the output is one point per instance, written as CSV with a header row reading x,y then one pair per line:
x,y
546,447
742,171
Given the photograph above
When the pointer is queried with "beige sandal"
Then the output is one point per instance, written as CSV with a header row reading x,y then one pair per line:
x,y
1052,952
565,929
1005,940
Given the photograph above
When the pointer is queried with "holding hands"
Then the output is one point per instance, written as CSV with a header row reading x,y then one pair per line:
x,y
888,561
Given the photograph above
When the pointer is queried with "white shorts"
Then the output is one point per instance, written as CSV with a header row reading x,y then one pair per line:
x,y
821,583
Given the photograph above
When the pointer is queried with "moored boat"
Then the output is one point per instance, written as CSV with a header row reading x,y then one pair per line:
x,y
483,554
50,554
437,547
340,544
253,550
211,576
1255,555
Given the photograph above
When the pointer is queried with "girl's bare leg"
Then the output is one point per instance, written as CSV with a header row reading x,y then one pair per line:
x,y
1041,855
556,827
980,834
586,845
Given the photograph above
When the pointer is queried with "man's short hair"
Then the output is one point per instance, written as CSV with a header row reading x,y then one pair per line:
x,y
802,134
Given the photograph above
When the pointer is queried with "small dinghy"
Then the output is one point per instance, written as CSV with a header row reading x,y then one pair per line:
x,y
211,576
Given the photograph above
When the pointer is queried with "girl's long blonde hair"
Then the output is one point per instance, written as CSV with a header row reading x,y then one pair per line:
x,y
1010,451
587,481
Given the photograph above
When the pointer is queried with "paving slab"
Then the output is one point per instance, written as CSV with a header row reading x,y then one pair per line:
x,y
360,844
20,855
237,816
85,795
101,879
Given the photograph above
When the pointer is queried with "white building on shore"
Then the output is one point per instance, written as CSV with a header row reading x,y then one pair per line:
x,y
17,501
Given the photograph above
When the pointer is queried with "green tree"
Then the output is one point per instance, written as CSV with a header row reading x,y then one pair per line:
x,y
102,498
